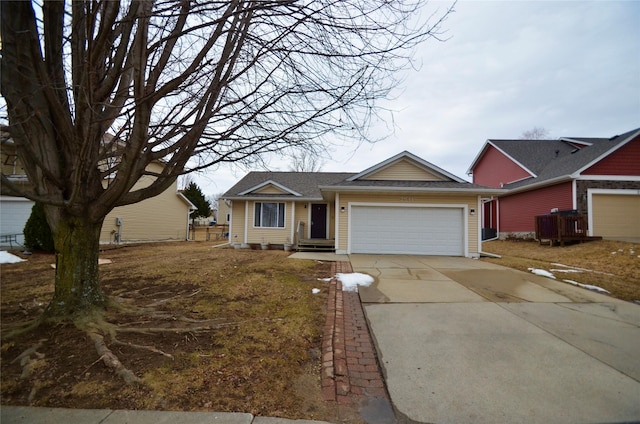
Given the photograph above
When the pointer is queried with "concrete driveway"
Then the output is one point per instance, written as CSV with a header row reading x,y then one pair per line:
x,y
464,341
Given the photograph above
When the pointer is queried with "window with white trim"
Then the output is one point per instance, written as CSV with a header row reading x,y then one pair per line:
x,y
269,215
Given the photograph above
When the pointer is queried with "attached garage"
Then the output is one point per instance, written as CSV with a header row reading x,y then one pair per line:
x,y
415,229
614,214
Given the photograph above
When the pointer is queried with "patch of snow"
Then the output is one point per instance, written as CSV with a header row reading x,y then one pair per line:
x,y
586,286
564,270
8,258
100,262
613,253
326,280
351,281
315,291
581,269
542,272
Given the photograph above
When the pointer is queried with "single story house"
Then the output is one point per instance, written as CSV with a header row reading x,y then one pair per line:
x,y
596,177
403,205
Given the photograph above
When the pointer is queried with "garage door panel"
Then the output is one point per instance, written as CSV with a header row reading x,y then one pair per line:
x,y
14,213
407,230
616,215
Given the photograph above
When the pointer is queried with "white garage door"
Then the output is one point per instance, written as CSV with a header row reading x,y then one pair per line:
x,y
14,212
407,230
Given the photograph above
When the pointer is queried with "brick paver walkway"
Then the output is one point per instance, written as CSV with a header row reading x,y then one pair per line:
x,y
350,369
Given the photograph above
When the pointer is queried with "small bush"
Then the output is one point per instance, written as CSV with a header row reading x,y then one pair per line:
x,y
37,234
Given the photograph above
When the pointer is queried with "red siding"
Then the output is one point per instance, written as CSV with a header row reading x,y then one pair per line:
x,y
494,168
624,161
517,212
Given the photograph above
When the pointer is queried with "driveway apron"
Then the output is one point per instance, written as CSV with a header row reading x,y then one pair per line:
x,y
465,341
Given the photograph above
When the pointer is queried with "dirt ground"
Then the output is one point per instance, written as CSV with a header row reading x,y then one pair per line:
x,y
201,329
611,265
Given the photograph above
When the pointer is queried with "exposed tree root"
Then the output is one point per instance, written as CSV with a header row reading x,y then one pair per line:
x,y
111,360
29,359
137,346
161,301
97,327
14,330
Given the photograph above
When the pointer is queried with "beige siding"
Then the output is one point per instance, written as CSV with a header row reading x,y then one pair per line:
x,y
257,234
403,170
270,189
471,201
273,235
236,230
302,214
223,211
616,216
163,217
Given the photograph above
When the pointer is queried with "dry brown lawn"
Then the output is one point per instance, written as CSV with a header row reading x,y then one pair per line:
x,y
203,329
612,265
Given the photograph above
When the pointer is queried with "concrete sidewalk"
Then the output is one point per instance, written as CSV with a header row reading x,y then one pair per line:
x,y
30,415
464,341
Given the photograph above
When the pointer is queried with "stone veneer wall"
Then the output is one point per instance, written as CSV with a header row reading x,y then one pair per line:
x,y
583,185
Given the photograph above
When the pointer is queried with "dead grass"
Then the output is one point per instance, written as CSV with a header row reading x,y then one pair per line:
x,y
612,265
262,356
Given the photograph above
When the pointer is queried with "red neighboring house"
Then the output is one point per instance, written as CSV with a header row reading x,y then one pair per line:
x,y
597,177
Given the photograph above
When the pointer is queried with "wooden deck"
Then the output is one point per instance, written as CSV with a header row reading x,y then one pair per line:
x,y
316,245
560,229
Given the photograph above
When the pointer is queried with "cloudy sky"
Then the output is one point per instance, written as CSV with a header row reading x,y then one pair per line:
x,y
571,67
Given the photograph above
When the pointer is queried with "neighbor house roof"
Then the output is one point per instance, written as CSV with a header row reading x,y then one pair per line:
x,y
551,161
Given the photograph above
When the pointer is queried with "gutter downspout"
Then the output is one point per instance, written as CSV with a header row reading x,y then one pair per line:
x,y
192,208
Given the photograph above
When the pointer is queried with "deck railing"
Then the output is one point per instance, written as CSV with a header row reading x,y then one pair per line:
x,y
560,228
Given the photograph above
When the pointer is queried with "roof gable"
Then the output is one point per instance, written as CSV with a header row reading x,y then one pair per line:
x,y
269,187
622,159
405,166
494,167
406,170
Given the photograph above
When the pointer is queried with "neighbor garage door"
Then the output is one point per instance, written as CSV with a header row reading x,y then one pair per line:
x,y
407,230
14,212
616,216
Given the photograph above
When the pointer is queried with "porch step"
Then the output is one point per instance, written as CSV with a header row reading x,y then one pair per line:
x,y
316,245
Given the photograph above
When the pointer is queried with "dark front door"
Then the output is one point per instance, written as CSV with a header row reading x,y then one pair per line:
x,y
318,220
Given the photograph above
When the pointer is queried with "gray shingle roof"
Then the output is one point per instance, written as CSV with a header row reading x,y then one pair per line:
x,y
429,185
305,183
551,159
310,185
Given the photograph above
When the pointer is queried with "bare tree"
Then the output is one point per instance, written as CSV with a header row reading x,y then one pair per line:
x,y
185,180
97,90
306,160
536,133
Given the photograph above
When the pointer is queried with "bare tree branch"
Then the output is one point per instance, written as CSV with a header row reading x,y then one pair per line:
x,y
97,91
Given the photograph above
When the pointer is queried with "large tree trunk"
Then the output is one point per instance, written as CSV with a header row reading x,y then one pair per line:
x,y
77,284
